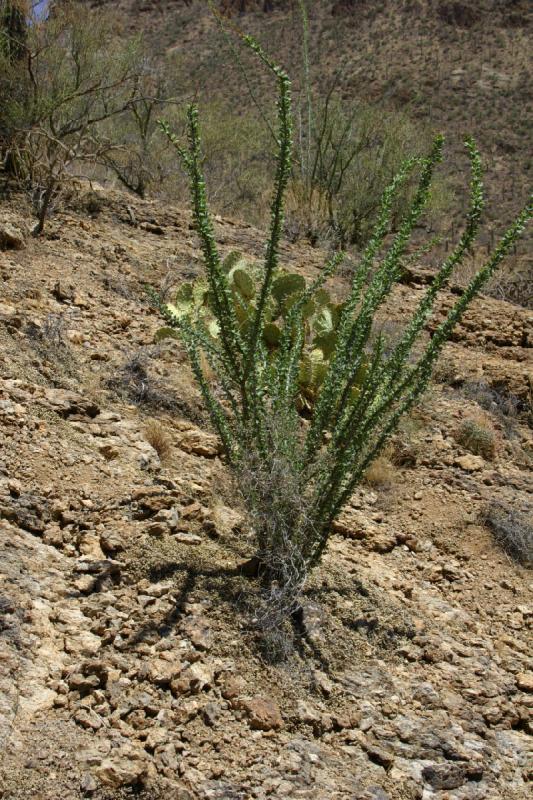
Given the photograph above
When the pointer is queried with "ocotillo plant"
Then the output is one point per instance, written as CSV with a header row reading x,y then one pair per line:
x,y
295,475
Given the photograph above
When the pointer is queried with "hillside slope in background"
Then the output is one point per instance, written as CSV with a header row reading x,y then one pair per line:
x,y
129,665
463,66
458,68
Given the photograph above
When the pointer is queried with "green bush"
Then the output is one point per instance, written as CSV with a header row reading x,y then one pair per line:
x,y
238,161
237,157
13,29
343,163
296,475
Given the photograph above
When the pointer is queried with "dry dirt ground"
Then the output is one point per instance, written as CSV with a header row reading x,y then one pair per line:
x,y
129,663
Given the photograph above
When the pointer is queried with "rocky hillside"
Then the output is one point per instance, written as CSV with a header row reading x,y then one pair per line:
x,y
129,664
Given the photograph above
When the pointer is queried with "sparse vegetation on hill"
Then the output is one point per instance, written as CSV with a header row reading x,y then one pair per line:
x,y
456,67
349,143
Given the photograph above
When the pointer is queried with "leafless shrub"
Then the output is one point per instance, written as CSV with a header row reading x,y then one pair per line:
x,y
497,400
169,281
133,377
513,530
53,330
514,285
494,399
137,161
50,342
134,381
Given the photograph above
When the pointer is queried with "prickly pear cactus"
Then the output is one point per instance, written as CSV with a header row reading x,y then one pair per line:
x,y
320,318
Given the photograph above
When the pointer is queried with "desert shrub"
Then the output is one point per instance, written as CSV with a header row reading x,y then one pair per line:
x,y
296,476
50,342
237,163
513,530
457,14
477,436
344,161
51,332
496,399
446,372
134,380
514,284
130,148
343,156
73,76
507,407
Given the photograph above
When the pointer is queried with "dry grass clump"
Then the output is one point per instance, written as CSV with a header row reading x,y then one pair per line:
x,y
446,372
406,446
381,473
477,435
513,530
158,438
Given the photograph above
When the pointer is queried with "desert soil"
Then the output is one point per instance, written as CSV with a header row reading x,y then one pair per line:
x,y
129,662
